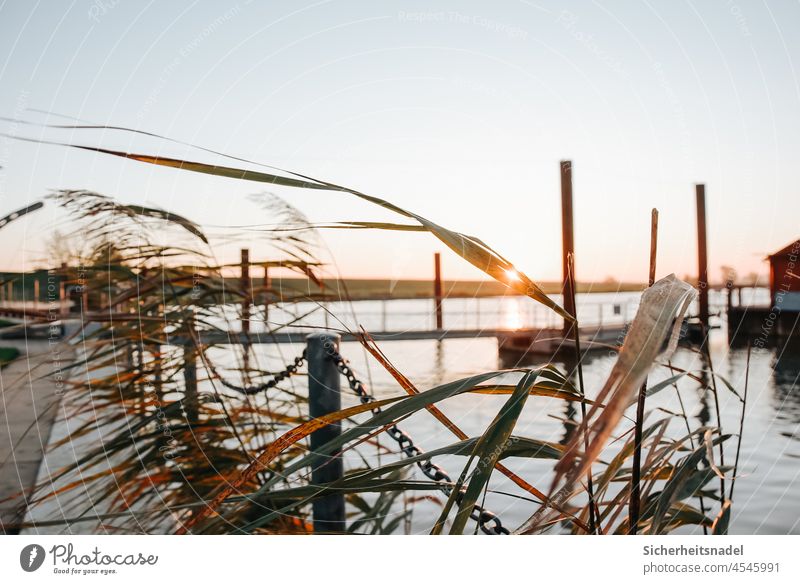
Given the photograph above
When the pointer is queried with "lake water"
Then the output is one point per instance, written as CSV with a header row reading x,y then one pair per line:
x,y
767,496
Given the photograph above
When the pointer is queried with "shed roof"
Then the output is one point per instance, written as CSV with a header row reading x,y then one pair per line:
x,y
786,250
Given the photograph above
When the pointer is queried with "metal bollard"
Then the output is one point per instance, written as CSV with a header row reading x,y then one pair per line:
x,y
324,397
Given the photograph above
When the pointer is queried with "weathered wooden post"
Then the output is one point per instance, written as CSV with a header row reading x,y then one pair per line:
x,y
702,256
636,470
191,403
35,292
437,290
567,243
155,352
324,397
266,285
245,281
63,309
190,381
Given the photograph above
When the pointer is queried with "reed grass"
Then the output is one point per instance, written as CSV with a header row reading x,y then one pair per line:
x,y
218,460
636,471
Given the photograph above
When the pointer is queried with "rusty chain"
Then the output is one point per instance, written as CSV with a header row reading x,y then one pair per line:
x,y
488,522
290,370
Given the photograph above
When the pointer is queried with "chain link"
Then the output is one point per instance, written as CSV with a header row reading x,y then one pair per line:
x,y
488,522
290,370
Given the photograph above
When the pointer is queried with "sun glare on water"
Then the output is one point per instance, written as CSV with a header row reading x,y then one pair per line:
x,y
511,314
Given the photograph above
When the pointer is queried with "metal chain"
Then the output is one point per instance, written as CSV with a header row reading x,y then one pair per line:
x,y
488,522
290,370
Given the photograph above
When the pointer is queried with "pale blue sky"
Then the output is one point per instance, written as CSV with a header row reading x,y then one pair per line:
x,y
459,111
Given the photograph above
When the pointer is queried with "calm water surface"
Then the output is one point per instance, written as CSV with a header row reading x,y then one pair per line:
x,y
767,496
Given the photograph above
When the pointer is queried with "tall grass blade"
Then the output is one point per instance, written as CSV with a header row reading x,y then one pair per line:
x,y
470,248
490,447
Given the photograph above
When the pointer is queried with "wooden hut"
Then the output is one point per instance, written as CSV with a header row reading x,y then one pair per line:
x,y
784,277
780,320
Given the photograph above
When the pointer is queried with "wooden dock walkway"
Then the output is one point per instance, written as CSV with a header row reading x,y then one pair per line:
x,y
528,340
30,397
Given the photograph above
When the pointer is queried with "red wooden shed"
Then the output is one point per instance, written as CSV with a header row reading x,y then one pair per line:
x,y
784,277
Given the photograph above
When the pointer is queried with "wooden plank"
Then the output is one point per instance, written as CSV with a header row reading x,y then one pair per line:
x,y
596,334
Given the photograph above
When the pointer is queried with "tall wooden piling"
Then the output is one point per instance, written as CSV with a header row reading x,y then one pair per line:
x,y
702,255
245,279
265,288
636,470
437,290
190,397
567,242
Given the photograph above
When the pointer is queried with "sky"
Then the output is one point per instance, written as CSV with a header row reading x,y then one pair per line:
x,y
458,111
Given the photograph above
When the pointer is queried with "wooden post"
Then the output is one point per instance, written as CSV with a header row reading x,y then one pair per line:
x,y
62,290
190,382
35,292
245,278
324,397
266,285
62,298
157,358
773,284
702,255
635,500
437,289
567,243
651,275
155,352
190,397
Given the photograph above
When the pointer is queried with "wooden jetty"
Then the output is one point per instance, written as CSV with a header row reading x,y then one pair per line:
x,y
537,340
